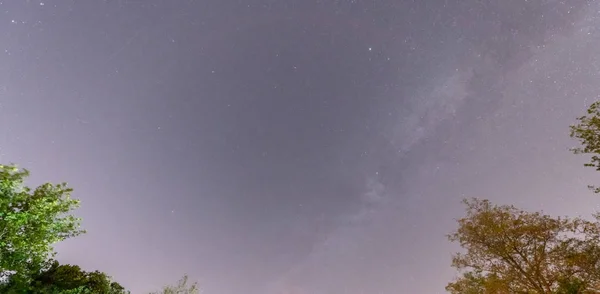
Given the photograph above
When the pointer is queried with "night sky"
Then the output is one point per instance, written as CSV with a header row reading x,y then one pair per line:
x,y
294,146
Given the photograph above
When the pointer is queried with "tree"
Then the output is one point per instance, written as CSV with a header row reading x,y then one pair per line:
x,y
587,132
510,251
31,221
65,279
181,288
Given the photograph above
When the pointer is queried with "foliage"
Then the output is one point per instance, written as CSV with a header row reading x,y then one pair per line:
x,y
66,279
587,132
31,221
182,287
512,251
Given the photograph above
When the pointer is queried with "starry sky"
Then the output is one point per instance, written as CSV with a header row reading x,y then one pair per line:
x,y
294,147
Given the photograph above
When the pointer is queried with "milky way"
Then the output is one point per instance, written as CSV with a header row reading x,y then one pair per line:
x,y
294,146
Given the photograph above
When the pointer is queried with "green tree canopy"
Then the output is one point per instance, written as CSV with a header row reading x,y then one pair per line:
x,y
31,221
58,278
587,132
510,251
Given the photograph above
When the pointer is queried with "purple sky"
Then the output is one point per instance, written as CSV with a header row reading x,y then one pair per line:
x,y
271,147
